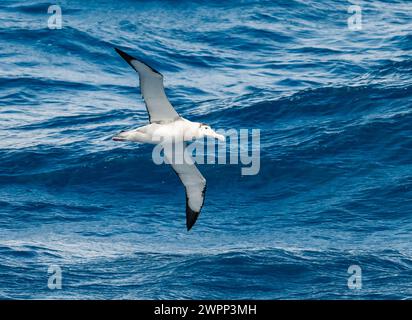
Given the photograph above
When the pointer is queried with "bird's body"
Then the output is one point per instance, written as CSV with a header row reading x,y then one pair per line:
x,y
168,128
155,133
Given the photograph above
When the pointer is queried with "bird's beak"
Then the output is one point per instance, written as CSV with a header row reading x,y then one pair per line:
x,y
219,137
120,136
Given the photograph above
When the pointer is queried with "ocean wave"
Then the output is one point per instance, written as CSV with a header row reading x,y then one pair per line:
x,y
254,271
333,109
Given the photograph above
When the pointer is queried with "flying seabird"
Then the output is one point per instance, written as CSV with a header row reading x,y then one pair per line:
x,y
167,126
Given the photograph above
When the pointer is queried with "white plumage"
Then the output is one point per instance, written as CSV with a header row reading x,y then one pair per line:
x,y
168,128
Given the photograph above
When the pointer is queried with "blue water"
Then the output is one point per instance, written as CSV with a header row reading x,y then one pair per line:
x,y
335,185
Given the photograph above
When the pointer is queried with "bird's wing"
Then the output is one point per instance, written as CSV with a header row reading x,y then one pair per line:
x,y
151,86
195,186
194,182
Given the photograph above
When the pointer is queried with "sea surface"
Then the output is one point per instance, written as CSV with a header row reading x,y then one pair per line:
x,y
334,190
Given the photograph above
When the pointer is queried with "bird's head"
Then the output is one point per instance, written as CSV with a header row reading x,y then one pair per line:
x,y
206,130
123,136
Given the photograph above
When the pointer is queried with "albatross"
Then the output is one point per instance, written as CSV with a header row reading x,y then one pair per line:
x,y
166,126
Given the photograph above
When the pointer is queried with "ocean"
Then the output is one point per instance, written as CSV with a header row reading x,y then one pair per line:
x,y
327,83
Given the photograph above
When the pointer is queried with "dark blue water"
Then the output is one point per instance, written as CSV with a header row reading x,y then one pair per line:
x,y
335,185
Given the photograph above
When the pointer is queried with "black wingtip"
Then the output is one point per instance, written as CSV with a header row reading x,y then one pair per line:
x,y
191,218
124,55
128,58
191,215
